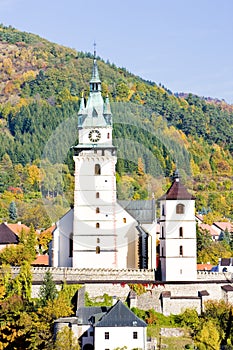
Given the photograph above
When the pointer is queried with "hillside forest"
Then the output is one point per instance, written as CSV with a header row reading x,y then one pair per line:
x,y
155,131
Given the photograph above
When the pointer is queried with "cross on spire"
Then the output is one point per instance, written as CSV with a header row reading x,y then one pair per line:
x,y
94,49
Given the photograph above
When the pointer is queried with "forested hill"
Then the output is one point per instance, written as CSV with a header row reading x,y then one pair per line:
x,y
40,86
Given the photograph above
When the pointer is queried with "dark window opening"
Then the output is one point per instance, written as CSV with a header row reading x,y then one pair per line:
x,y
181,250
135,335
97,249
180,209
97,169
71,245
181,232
97,195
163,210
106,335
97,210
162,232
97,225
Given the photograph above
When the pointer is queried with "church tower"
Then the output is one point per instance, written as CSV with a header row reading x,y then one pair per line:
x,y
103,233
177,234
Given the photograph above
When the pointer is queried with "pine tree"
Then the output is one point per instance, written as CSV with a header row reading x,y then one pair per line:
x,y
13,211
48,289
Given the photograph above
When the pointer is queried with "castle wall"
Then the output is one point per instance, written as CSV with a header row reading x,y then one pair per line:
x,y
179,295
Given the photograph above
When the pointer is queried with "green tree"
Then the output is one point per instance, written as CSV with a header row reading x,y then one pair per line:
x,y
12,211
48,290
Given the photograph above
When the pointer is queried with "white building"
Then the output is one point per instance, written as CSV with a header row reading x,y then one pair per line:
x,y
178,234
98,232
99,328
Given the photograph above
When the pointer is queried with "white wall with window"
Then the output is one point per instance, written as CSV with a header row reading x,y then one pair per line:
x,y
114,337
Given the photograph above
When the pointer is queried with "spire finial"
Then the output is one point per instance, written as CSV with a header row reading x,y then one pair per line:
x,y
94,49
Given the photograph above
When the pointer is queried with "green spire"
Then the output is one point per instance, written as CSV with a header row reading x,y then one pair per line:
x,y
95,82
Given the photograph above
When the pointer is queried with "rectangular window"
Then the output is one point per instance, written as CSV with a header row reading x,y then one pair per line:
x,y
135,335
181,250
106,335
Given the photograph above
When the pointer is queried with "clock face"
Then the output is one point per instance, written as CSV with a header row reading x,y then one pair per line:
x,y
94,135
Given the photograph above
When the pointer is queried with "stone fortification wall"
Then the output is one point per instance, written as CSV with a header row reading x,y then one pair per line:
x,y
73,275
115,283
213,276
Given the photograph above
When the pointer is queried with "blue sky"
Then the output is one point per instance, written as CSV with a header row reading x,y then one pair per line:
x,y
186,45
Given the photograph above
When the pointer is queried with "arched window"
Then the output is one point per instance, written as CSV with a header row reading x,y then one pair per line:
x,y
71,245
97,210
108,135
97,240
97,169
97,195
181,232
181,250
180,209
97,249
124,220
97,225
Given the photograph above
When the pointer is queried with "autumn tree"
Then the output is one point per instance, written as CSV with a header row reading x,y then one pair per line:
x,y
65,339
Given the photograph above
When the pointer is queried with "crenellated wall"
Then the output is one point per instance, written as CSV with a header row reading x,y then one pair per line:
x,y
169,297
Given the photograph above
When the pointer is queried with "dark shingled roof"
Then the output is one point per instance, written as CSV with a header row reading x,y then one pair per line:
x,y
141,210
120,315
226,262
227,288
7,236
177,191
84,313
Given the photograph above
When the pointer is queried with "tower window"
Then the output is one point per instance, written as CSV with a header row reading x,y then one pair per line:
x,y
181,232
108,135
97,210
97,195
180,209
71,245
97,225
97,249
124,220
163,210
162,232
97,169
181,250
97,240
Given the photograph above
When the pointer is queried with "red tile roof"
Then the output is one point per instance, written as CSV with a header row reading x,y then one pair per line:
x,y
224,226
17,228
204,267
41,260
177,191
208,228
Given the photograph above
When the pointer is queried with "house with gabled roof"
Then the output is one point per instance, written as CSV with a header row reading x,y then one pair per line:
x,y
102,328
7,236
